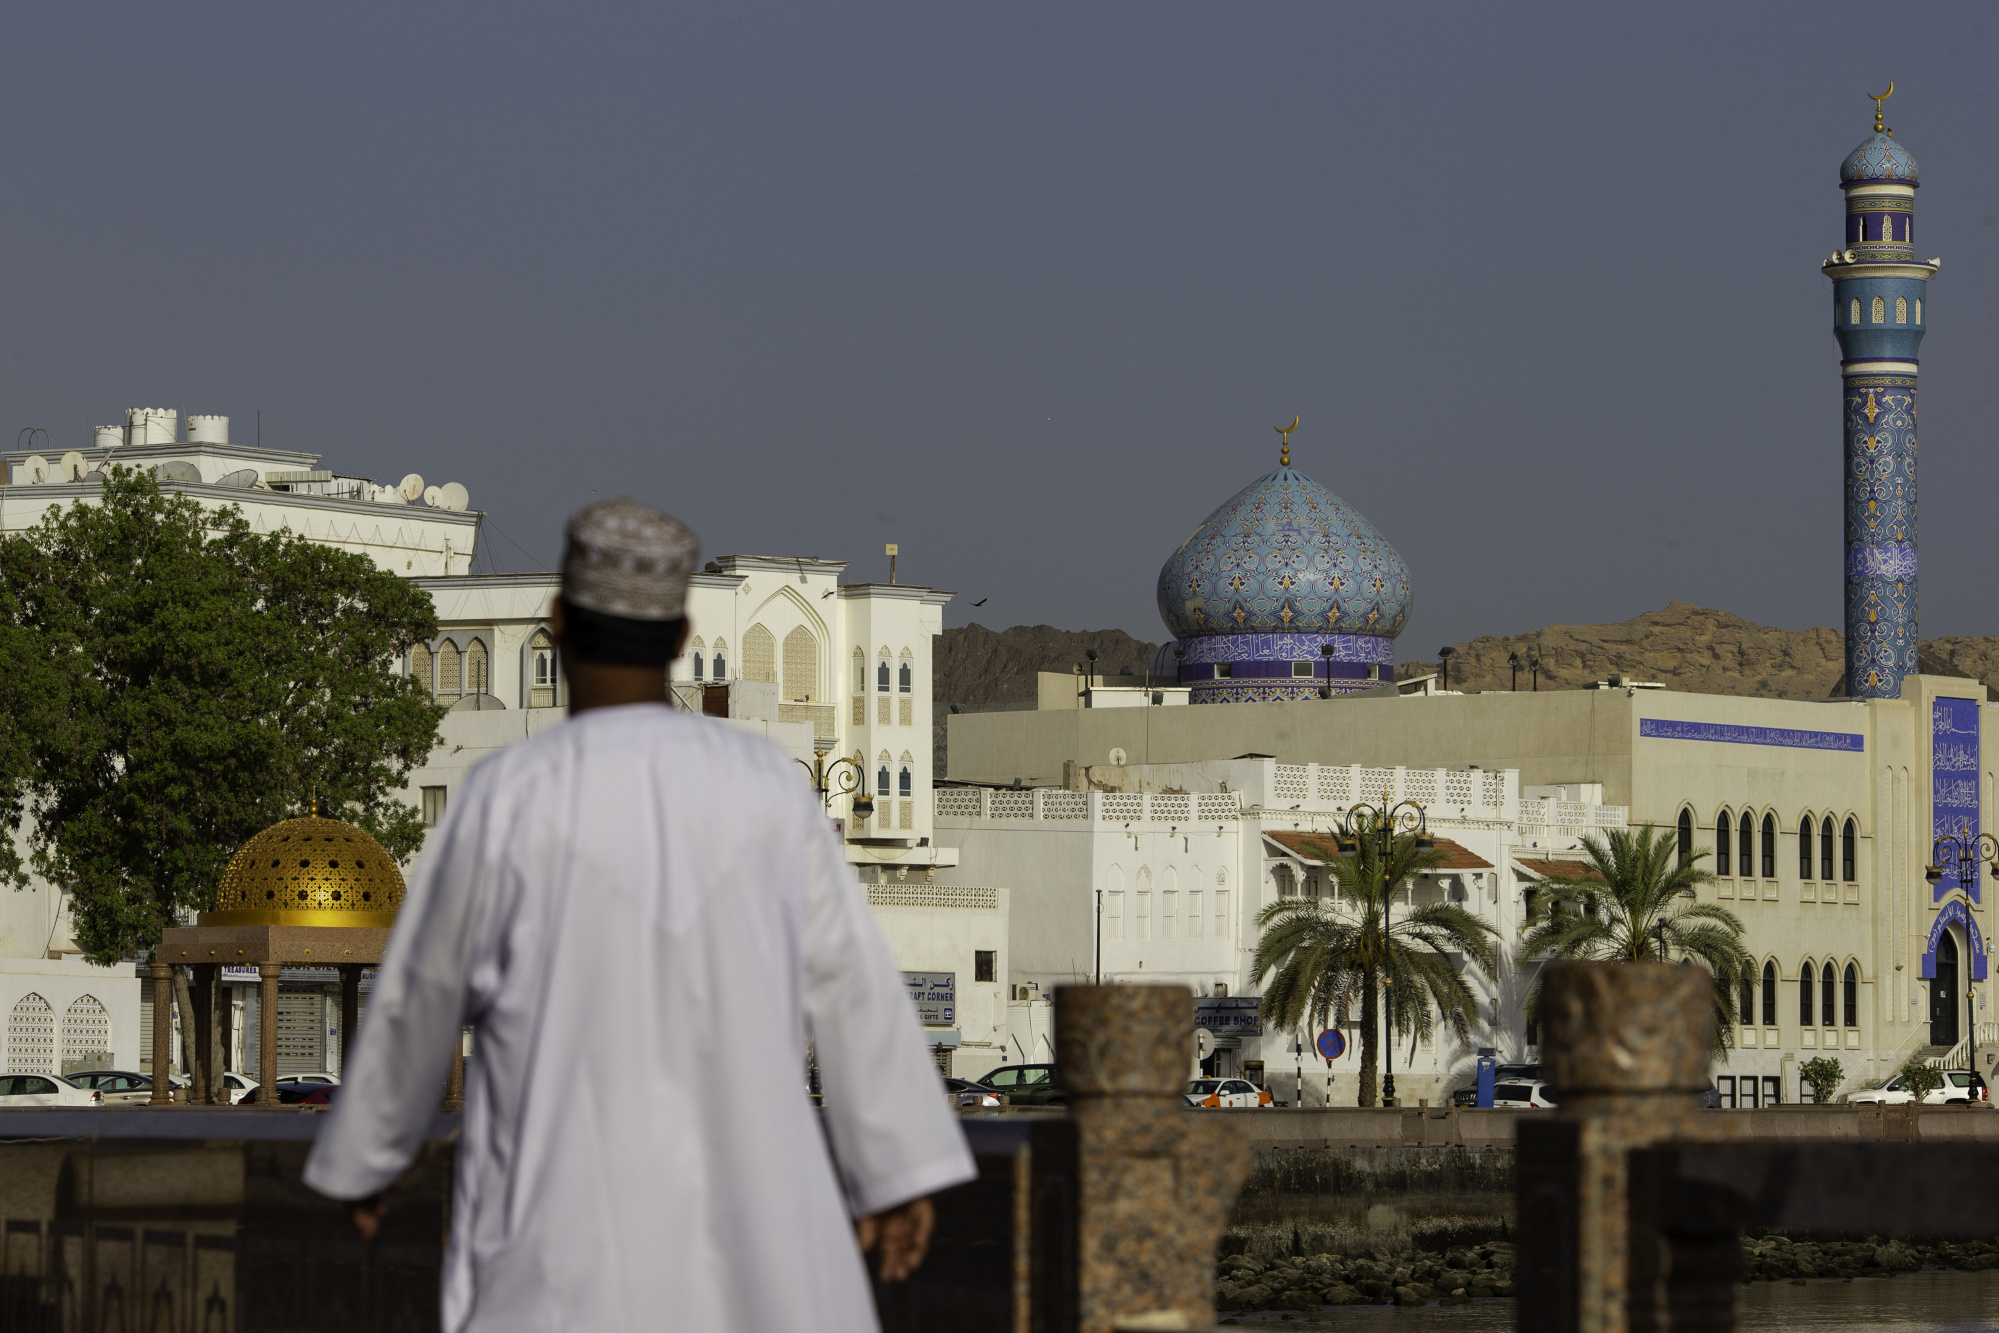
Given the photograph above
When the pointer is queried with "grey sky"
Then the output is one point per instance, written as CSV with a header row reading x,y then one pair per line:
x,y
1025,288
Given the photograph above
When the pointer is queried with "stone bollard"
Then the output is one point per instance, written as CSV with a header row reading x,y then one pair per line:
x,y
1155,1182
1627,1046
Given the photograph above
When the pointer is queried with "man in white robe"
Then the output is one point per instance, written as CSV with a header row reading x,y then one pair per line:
x,y
645,914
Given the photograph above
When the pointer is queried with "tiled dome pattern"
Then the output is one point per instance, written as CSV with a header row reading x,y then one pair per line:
x,y
1285,555
1879,158
309,871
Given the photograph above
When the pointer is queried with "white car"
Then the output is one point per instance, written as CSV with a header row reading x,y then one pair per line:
x,y
1217,1092
1532,1094
240,1089
1958,1086
44,1090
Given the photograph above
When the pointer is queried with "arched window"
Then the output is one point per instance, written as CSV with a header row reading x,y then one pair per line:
x,y
1769,995
86,1034
1724,834
420,667
450,670
882,784
541,670
1901,310
801,666
698,648
1919,310
1686,836
1855,314
1852,996
860,672
1805,847
1747,1008
1808,979
1769,846
1825,848
721,660
1849,853
1828,985
760,655
1880,311
1745,847
881,676
478,676
31,1036
902,783
904,678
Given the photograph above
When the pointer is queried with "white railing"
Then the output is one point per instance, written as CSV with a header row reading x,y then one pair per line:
x,y
1046,804
1290,783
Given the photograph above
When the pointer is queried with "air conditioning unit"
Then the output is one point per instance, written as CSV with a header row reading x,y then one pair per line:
x,y
1030,991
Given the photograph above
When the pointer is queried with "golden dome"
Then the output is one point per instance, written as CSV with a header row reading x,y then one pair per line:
x,y
309,872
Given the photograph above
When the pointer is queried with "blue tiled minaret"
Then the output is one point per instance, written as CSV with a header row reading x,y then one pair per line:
x,y
1878,312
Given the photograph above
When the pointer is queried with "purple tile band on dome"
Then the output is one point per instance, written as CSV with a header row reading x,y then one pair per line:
x,y
1367,649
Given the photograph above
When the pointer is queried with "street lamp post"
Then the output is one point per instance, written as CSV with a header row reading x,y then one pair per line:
x,y
1444,686
1326,652
1534,666
830,780
1965,851
1380,823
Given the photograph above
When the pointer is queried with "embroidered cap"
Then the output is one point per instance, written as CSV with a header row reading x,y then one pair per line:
x,y
627,559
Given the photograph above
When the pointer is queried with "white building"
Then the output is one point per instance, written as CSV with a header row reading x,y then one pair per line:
x,y
1156,873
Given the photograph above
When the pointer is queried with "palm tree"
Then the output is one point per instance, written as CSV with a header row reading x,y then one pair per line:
x,y
1333,955
1632,900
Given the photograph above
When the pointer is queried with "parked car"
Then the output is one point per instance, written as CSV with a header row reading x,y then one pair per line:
x,y
1959,1085
115,1086
1465,1096
964,1092
1027,1085
45,1090
240,1089
322,1094
1529,1094
1217,1092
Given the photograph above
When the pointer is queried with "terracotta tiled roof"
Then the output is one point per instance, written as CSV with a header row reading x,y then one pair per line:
x,y
1320,847
1543,868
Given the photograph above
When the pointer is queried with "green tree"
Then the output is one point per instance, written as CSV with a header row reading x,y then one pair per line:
x,y
1330,957
194,682
1919,1078
1632,899
1822,1075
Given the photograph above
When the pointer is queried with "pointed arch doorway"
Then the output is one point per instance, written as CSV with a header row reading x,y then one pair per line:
x,y
1944,993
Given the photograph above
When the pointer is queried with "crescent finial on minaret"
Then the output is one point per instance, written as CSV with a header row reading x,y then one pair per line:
x,y
1879,98
1284,437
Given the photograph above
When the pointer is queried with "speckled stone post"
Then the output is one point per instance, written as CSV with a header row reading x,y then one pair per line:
x,y
1627,1047
1156,1181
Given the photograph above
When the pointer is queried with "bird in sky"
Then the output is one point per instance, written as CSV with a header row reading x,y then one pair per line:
x,y
981,602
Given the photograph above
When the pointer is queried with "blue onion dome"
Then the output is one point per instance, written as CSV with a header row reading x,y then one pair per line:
x,y
1284,556
1879,158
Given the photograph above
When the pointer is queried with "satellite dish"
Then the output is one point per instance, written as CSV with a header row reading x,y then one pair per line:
x,y
36,469
72,467
452,496
411,488
178,470
244,478
1117,756
95,474
431,495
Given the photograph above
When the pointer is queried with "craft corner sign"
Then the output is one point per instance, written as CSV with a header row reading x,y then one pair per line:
x,y
935,995
1954,913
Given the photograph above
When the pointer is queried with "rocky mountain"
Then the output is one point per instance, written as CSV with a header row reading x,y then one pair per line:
x,y
1690,648
976,666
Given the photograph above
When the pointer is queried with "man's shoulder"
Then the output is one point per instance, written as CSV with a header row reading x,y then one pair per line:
x,y
641,735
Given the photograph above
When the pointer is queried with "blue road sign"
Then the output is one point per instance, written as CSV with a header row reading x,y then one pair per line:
x,y
1332,1044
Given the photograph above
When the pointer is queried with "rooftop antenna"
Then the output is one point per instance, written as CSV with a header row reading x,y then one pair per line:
x,y
894,549
1284,435
1879,98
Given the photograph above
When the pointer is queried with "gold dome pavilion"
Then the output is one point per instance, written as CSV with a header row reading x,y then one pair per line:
x,y
309,871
